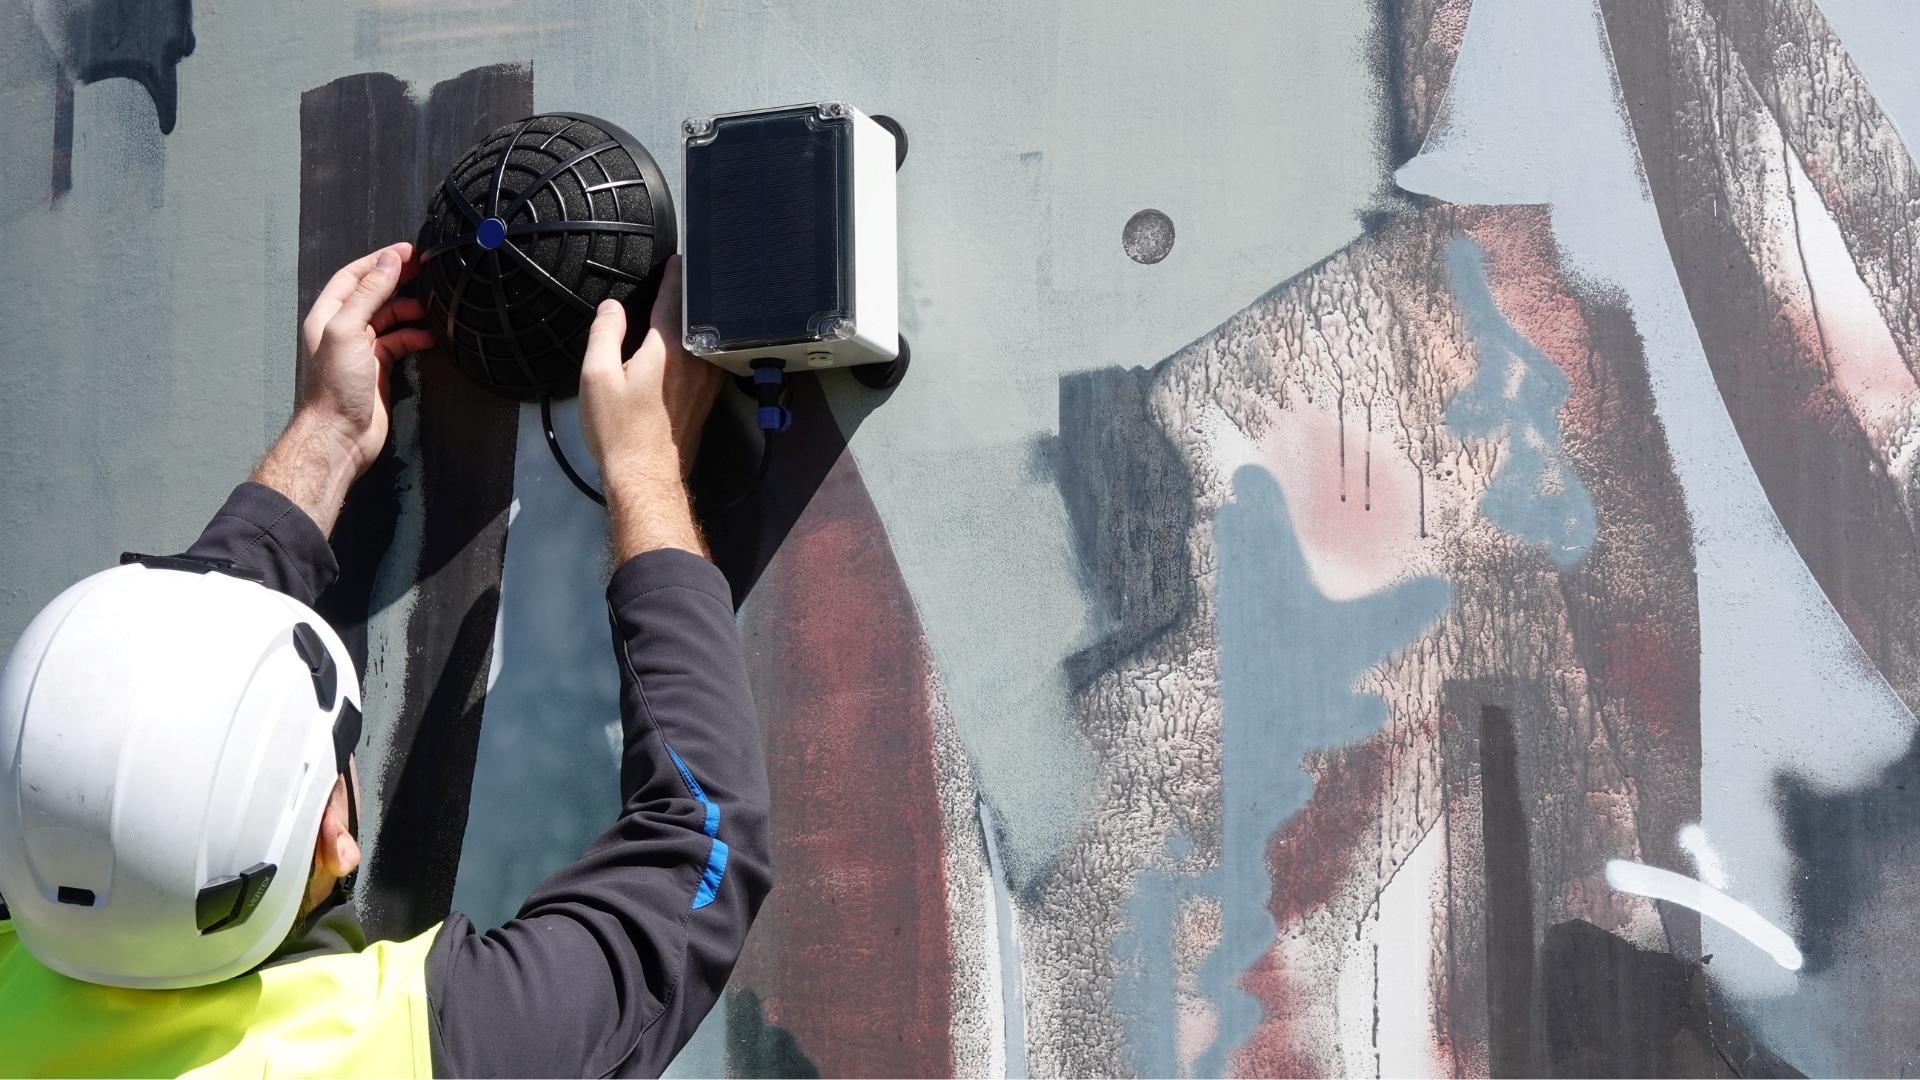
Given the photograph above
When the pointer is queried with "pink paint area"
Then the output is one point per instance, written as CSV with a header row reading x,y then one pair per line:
x,y
1642,653
1195,1019
1523,274
1824,306
1196,1022
1358,524
1315,851
1278,1047
1194,1027
1834,315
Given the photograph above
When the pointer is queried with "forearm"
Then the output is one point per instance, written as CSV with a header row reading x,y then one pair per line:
x,y
313,467
648,510
261,529
613,961
278,522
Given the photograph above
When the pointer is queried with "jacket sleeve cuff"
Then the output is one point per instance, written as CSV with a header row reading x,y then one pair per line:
x,y
666,568
262,529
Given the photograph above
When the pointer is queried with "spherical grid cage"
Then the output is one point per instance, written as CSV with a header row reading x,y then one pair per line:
x,y
538,224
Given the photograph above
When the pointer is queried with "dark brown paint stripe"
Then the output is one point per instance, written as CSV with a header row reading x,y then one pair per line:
x,y
368,156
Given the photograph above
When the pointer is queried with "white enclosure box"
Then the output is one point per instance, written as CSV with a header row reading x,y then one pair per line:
x,y
790,247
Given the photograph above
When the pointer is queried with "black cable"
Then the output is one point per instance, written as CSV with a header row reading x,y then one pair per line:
x,y
759,476
553,444
773,418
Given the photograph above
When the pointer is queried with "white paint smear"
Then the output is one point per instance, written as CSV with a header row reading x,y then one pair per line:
x,y
1385,994
1706,861
1651,881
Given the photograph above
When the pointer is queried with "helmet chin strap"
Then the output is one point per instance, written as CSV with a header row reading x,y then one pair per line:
x,y
346,736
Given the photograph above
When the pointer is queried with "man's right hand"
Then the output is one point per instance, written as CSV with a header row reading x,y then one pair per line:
x,y
642,419
349,342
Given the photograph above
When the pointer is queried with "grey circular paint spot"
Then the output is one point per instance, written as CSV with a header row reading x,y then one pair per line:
x,y
1148,236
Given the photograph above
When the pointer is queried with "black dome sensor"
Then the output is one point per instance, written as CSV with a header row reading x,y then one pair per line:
x,y
538,224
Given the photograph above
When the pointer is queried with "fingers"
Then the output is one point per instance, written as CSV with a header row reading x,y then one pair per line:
x,y
403,342
374,290
343,281
402,309
346,280
663,326
609,329
666,304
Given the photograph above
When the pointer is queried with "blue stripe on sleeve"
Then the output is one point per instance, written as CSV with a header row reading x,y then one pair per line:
x,y
716,868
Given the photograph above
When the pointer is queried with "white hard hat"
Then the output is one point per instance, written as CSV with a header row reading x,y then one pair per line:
x,y
169,736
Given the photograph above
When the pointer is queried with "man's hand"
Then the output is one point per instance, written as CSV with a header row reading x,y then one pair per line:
x,y
642,421
349,342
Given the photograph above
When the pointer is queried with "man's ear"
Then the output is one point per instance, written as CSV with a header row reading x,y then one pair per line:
x,y
336,852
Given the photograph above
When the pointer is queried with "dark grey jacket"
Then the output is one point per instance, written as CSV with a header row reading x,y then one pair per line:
x,y
613,961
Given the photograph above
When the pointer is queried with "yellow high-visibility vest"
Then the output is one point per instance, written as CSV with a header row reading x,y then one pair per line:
x,y
346,1014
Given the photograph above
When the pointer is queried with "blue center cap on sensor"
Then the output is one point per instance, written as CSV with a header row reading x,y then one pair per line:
x,y
492,233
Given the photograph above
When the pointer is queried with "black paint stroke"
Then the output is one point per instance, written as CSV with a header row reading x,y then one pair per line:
x,y
1614,1009
1496,747
1503,832
1845,845
142,40
1129,500
1413,84
758,1047
369,154
357,145
62,181
465,456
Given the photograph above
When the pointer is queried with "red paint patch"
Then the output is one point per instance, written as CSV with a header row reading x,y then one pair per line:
x,y
851,952
1657,668
1276,1048
1310,857
1523,275
1313,853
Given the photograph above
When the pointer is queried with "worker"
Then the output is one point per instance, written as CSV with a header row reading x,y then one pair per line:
x,y
179,803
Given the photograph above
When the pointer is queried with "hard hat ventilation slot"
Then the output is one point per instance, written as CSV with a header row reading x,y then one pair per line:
x,y
313,652
229,901
67,894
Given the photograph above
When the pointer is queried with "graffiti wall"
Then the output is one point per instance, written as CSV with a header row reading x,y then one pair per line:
x,y
1396,554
